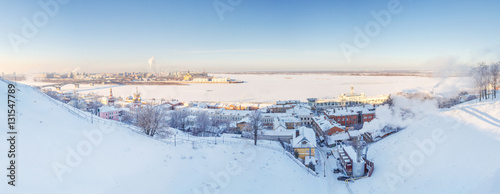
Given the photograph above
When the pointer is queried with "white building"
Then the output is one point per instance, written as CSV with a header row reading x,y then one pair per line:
x,y
350,99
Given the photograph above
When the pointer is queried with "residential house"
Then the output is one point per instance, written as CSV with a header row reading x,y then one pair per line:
x,y
304,142
108,112
324,127
286,123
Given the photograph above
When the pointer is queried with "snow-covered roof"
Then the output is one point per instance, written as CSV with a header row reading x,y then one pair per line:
x,y
107,109
235,112
278,133
306,138
354,133
324,124
343,135
279,123
272,115
299,111
351,152
338,137
244,120
342,111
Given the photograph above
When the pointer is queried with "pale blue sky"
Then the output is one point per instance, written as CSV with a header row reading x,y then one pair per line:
x,y
257,35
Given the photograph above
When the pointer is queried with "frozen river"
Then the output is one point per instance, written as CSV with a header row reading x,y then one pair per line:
x,y
270,88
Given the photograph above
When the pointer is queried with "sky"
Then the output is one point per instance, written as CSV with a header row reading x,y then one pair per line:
x,y
246,35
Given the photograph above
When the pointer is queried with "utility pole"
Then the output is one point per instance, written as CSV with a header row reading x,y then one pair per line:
x,y
324,168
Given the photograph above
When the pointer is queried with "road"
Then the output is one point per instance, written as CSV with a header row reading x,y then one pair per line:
x,y
331,163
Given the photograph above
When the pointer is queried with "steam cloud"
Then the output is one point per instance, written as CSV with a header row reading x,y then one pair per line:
x,y
403,112
151,62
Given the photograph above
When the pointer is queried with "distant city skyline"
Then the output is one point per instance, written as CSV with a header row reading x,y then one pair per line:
x,y
234,36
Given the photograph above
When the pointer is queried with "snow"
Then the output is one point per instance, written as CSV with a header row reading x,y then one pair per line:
x,y
447,151
272,88
403,113
439,151
343,111
128,162
337,137
300,110
307,135
244,120
325,124
107,109
309,159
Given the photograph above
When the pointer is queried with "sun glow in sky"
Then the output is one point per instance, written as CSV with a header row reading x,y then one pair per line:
x,y
246,35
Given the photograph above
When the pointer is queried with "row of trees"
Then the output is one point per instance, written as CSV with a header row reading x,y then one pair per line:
x,y
155,120
486,79
201,124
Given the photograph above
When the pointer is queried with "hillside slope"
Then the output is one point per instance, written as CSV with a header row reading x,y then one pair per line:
x,y
449,151
117,160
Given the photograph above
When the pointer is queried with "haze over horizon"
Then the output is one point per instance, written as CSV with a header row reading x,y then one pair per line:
x,y
240,36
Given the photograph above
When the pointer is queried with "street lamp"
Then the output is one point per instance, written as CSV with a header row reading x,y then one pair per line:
x,y
175,138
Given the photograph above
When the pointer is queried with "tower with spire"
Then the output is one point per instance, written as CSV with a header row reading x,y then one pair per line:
x,y
111,99
137,99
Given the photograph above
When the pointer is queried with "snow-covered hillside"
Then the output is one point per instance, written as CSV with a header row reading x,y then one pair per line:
x,y
443,151
448,151
117,160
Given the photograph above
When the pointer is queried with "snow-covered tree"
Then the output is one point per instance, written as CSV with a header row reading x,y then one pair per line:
x,y
178,119
152,120
495,77
480,77
255,123
203,123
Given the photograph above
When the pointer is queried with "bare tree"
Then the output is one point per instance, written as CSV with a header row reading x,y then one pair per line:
x,y
151,119
495,76
178,119
95,103
54,95
479,76
486,79
203,123
126,117
255,123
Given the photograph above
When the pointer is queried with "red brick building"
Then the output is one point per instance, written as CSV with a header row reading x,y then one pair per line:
x,y
347,116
